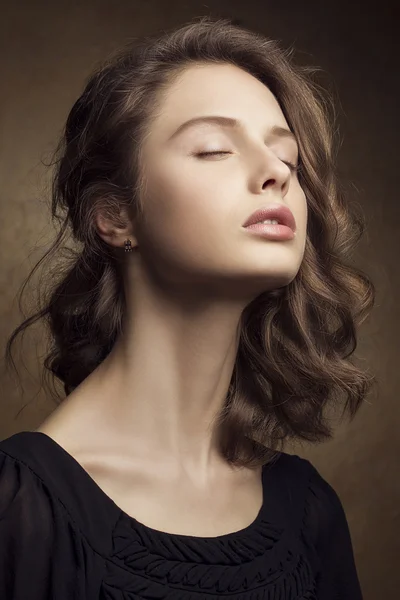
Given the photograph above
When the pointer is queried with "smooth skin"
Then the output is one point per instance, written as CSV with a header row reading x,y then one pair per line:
x,y
141,423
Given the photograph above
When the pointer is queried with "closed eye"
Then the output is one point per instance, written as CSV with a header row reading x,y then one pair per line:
x,y
292,166
214,152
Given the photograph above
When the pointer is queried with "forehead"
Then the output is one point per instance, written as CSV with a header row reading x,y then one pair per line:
x,y
220,89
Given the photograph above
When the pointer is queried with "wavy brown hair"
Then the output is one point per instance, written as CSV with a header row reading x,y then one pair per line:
x,y
295,342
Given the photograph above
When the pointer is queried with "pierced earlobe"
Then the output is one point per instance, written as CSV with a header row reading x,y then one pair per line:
x,y
128,245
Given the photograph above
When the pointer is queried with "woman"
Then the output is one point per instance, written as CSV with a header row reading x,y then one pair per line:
x,y
191,338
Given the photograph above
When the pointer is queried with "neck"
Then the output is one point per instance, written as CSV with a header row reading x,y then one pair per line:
x,y
166,380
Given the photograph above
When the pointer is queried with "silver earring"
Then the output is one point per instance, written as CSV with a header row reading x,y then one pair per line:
x,y
128,245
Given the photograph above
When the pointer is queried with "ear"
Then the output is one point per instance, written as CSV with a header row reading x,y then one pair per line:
x,y
115,229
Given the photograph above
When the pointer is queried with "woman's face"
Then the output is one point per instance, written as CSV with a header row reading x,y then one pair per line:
x,y
195,206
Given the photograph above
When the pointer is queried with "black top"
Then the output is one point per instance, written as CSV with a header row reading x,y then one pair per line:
x,y
63,538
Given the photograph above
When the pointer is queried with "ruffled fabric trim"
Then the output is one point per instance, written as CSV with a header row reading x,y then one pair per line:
x,y
254,564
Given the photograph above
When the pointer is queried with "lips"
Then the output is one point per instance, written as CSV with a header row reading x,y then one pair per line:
x,y
279,212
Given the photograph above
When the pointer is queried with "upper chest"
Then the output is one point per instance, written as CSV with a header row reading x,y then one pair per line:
x,y
163,501
178,507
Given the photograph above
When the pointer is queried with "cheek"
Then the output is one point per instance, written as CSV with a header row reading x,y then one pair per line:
x,y
301,220
183,214
299,207
188,199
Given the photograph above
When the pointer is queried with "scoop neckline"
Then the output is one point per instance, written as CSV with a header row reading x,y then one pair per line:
x,y
158,532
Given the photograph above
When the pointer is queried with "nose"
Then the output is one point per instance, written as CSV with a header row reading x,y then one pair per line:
x,y
270,172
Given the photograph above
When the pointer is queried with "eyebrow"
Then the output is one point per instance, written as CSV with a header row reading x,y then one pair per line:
x,y
275,131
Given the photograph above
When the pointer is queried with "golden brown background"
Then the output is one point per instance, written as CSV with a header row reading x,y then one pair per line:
x,y
49,48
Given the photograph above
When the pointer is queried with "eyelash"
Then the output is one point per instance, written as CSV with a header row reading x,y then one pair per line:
x,y
291,166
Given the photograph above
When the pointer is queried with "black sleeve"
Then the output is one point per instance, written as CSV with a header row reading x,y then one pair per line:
x,y
40,551
326,522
